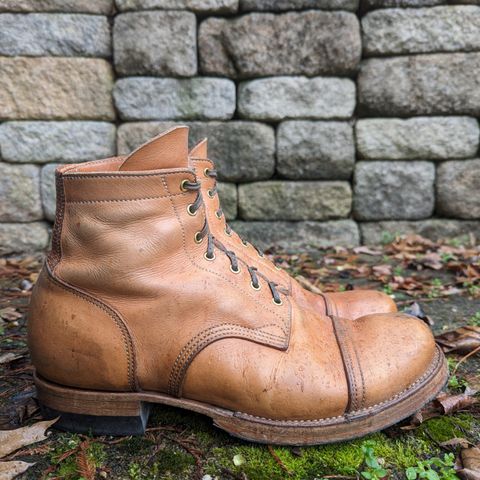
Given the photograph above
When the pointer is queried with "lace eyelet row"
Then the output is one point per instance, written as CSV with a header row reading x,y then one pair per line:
x,y
192,209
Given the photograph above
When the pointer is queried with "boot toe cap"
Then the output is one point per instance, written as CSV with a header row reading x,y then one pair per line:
x,y
394,352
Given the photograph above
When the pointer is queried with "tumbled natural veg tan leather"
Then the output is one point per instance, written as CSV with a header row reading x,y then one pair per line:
x,y
127,301
349,304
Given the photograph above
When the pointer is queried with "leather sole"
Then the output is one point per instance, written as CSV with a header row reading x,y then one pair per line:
x,y
108,413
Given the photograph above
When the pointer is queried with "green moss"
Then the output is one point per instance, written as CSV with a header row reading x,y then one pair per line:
x,y
314,462
444,428
167,464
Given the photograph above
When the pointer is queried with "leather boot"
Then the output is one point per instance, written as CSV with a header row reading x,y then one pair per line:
x,y
139,304
350,304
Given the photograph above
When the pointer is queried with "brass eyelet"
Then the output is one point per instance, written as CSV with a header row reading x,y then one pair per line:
x,y
244,243
182,185
210,193
190,211
198,238
210,259
235,271
258,287
228,232
218,215
206,172
277,303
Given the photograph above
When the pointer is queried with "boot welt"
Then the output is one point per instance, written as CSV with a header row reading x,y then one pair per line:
x,y
112,413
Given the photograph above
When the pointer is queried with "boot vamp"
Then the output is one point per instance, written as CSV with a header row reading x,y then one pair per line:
x,y
383,357
307,381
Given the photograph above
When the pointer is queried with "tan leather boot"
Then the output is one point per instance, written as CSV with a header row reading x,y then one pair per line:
x,y
138,304
350,304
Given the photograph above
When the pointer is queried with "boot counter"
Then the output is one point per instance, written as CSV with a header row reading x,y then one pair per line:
x,y
74,342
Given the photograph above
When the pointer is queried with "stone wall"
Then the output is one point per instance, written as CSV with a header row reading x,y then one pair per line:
x,y
331,122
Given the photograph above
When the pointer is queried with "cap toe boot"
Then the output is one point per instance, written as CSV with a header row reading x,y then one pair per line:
x,y
140,304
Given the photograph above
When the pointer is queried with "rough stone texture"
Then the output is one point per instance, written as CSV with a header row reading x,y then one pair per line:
x,y
278,200
64,35
201,6
371,4
40,142
374,233
393,190
47,189
20,193
23,237
77,6
298,236
281,5
458,189
315,150
421,30
259,44
173,35
242,151
173,99
279,98
55,88
420,137
228,198
439,84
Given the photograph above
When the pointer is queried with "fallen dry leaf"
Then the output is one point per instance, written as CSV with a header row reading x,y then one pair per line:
x,y
10,314
367,250
9,470
11,440
462,340
471,464
455,442
453,403
9,357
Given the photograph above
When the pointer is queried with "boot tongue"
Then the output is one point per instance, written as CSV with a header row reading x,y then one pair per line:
x,y
200,150
165,151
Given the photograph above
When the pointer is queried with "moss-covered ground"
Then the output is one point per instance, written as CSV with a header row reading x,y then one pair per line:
x,y
183,445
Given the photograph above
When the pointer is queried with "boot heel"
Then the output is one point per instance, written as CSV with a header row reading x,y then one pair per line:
x,y
91,412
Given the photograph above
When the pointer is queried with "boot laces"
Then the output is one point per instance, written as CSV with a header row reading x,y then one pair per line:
x,y
213,173
213,242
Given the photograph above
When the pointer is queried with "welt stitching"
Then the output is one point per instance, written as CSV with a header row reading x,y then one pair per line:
x,y
117,320
379,404
211,271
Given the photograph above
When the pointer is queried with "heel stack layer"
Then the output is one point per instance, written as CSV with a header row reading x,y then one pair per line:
x,y
98,413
